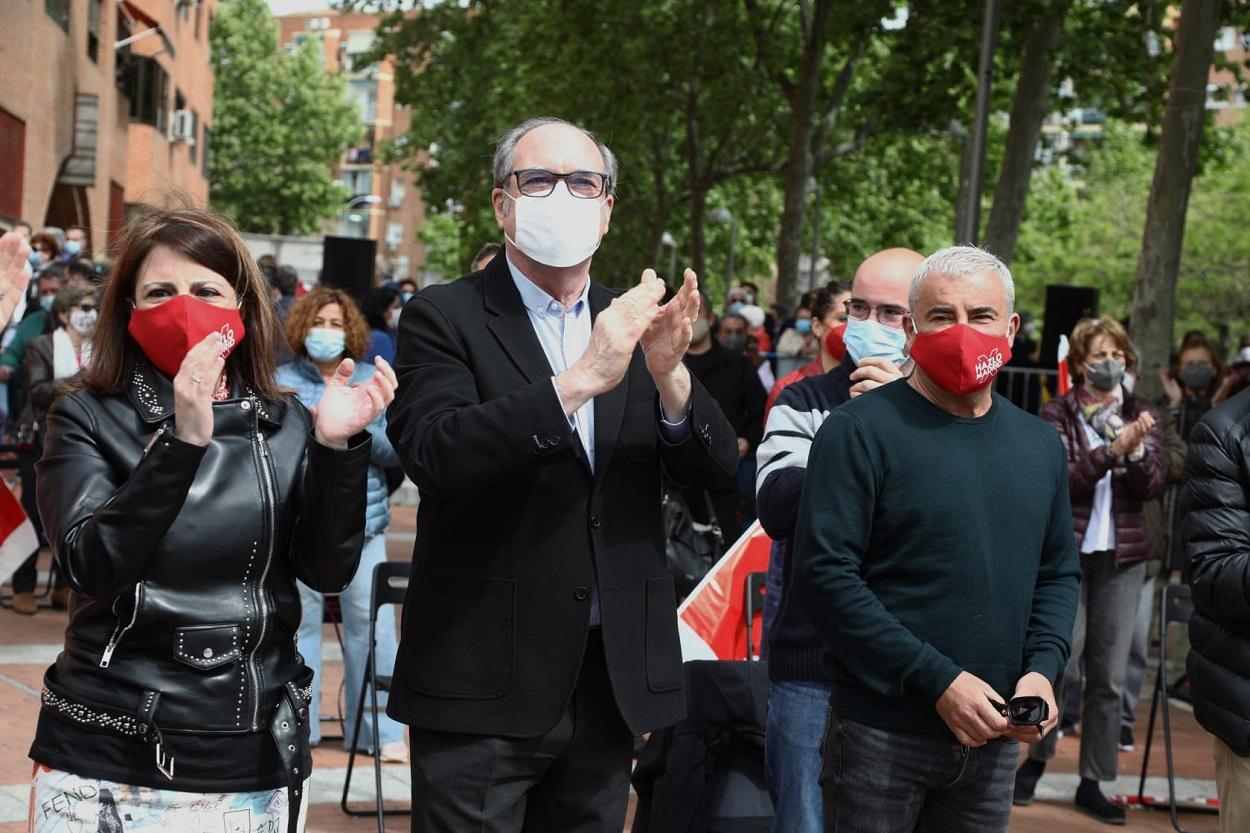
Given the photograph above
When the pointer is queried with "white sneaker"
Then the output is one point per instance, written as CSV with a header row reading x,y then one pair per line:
x,y
394,753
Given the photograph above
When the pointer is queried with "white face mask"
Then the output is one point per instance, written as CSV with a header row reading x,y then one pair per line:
x,y
559,229
83,321
392,318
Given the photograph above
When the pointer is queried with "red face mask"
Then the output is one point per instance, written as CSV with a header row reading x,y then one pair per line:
x,y
168,331
960,359
834,345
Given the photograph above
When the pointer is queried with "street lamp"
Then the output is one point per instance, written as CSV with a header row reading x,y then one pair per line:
x,y
358,201
724,215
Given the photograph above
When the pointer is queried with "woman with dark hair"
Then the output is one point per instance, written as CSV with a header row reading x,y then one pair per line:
x,y
1115,453
323,328
382,308
183,493
44,251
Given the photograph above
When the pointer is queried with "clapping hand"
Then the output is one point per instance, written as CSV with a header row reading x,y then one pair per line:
x,y
1129,440
666,340
15,273
346,409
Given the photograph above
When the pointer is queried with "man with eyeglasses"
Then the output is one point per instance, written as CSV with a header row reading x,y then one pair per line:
x,y
800,681
934,555
534,410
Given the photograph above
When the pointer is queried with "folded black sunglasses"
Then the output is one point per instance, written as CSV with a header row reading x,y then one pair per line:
x,y
1024,711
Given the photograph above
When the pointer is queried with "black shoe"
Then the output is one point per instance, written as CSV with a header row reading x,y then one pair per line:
x,y
1126,739
1068,727
1027,776
1089,799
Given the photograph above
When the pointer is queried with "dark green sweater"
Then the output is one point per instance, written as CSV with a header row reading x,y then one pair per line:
x,y
930,544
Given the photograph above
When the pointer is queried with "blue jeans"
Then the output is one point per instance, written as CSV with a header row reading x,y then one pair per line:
x,y
882,781
797,715
354,603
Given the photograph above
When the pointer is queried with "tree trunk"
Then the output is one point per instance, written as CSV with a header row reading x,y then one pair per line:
x,y
1154,294
1028,111
798,171
698,217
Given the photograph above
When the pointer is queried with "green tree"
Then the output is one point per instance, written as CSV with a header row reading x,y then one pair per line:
x,y
280,126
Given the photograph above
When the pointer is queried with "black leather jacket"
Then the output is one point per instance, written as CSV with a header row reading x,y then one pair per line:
x,y
183,560
1216,527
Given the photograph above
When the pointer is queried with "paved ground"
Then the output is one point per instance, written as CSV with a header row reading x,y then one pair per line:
x,y
28,644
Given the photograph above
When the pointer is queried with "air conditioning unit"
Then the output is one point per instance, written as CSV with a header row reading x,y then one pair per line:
x,y
182,128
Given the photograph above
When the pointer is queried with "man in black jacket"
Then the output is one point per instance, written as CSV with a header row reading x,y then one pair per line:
x,y
732,381
1216,527
534,410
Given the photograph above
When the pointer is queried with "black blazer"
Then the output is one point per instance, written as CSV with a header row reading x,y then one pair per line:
x,y
513,526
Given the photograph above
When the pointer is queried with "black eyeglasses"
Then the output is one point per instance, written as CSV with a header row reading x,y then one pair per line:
x,y
889,314
539,182
87,307
1024,711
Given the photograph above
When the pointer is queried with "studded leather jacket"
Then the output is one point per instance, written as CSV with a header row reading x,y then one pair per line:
x,y
183,562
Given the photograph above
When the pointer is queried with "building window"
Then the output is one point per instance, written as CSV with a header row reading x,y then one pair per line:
x,y
195,132
93,29
148,89
13,152
204,152
58,10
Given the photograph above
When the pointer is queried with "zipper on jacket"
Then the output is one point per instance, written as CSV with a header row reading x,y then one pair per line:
x,y
268,503
120,630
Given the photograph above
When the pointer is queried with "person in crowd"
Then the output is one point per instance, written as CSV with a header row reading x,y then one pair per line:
x,y
325,327
407,288
731,332
534,411
49,361
934,555
484,256
15,272
828,305
800,682
758,360
183,493
285,281
44,251
732,381
382,308
1192,385
77,243
1114,448
797,345
755,327
36,322
23,229
1216,525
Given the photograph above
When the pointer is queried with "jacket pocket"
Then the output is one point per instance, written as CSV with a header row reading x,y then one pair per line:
x,y
459,633
207,646
664,671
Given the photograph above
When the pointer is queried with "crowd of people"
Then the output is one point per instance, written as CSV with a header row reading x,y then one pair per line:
x,y
209,449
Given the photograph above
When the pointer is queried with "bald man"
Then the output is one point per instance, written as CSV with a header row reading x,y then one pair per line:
x,y
799,699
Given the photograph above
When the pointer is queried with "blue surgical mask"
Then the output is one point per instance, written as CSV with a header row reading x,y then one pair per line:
x,y
46,302
324,345
72,247
33,257
736,307
872,339
405,296
803,325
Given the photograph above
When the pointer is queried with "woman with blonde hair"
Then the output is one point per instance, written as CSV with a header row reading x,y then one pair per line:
x,y
183,493
1114,446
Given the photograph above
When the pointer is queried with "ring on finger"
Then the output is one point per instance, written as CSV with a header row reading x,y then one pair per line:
x,y
197,379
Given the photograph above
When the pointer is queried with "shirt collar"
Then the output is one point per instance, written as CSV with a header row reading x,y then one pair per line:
x,y
536,299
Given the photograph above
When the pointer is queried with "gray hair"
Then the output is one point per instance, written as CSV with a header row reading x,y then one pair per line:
x,y
961,262
505,150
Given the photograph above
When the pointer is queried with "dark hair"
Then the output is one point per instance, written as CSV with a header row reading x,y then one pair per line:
x,y
412,281
52,270
47,241
66,300
285,280
303,311
82,267
488,251
377,302
823,297
209,240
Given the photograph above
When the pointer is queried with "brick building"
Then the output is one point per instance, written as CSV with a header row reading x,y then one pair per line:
x,y
104,103
386,204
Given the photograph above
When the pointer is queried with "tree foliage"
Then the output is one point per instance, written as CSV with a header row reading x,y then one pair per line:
x,y
280,126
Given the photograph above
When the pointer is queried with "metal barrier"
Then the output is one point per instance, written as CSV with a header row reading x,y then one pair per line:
x,y
1028,388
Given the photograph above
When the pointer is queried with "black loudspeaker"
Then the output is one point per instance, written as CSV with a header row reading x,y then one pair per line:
x,y
1065,305
347,264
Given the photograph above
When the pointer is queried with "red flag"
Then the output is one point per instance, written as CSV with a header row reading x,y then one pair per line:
x,y
710,620
1065,377
17,533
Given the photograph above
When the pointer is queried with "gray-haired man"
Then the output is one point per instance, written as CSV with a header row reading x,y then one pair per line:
x,y
935,556
540,631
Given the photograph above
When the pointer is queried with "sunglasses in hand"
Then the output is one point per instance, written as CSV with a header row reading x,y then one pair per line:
x,y
1024,711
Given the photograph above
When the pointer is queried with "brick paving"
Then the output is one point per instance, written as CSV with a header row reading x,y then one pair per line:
x,y
26,643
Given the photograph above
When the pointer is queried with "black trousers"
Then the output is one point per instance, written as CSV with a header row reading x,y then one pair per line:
x,y
26,577
573,779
